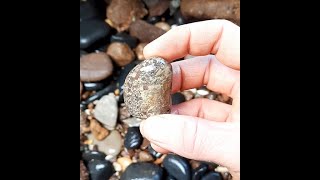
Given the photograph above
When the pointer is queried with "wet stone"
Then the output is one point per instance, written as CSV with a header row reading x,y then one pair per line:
x,y
90,86
177,98
212,176
133,138
124,38
91,31
199,172
93,155
154,153
87,11
177,167
100,169
147,88
142,171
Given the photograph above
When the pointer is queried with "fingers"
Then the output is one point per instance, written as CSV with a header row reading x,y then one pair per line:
x,y
204,70
195,138
218,37
203,108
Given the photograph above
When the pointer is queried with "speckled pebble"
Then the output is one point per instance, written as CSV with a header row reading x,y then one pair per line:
x,y
147,88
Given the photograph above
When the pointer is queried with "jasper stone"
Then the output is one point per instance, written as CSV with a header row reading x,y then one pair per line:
x,y
147,88
95,67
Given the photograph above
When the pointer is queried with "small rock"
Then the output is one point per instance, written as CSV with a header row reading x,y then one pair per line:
x,y
97,130
132,122
93,86
139,51
112,144
153,20
188,95
145,156
91,31
100,169
122,12
163,25
95,67
154,153
179,19
199,172
87,11
157,7
84,175
133,138
177,98
124,162
194,164
124,38
177,167
145,144
142,171
123,112
144,31
212,176
84,123
116,166
106,111
120,53
147,88
160,160
93,155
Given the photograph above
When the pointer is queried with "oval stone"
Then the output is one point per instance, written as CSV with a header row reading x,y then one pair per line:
x,y
95,67
177,167
142,171
147,88
133,138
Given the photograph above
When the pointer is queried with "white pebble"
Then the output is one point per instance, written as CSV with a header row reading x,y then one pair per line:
x,y
202,92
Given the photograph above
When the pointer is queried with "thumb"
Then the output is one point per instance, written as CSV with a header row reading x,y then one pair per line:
x,y
195,138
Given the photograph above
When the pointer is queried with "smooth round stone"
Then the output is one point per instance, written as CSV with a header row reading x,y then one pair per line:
x,y
145,156
120,53
100,169
124,38
133,138
139,51
154,153
177,98
95,67
177,167
87,11
91,31
106,111
142,171
147,88
89,86
93,155
212,176
199,172
111,145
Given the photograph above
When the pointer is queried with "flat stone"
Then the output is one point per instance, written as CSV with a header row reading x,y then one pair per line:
x,y
95,67
147,88
106,111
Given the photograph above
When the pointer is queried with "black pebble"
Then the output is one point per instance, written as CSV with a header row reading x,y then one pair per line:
x,y
92,86
99,94
133,138
179,19
124,38
154,153
177,167
83,105
153,20
91,31
100,169
93,155
142,171
177,98
212,176
87,11
199,172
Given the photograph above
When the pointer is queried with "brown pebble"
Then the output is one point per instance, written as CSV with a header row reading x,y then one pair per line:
x,y
84,123
157,8
86,94
130,152
160,160
211,9
163,25
145,144
90,106
120,53
145,157
194,164
124,162
95,67
98,131
144,31
139,51
147,88
122,12
84,175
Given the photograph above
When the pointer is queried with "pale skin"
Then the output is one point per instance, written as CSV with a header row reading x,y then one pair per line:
x,y
200,129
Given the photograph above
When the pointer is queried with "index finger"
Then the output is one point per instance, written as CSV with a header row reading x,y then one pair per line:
x,y
218,37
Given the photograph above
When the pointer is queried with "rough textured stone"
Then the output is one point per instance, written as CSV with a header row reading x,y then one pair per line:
x,y
106,111
144,31
147,88
122,12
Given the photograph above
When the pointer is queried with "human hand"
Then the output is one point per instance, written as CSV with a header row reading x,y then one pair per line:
x,y
200,129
